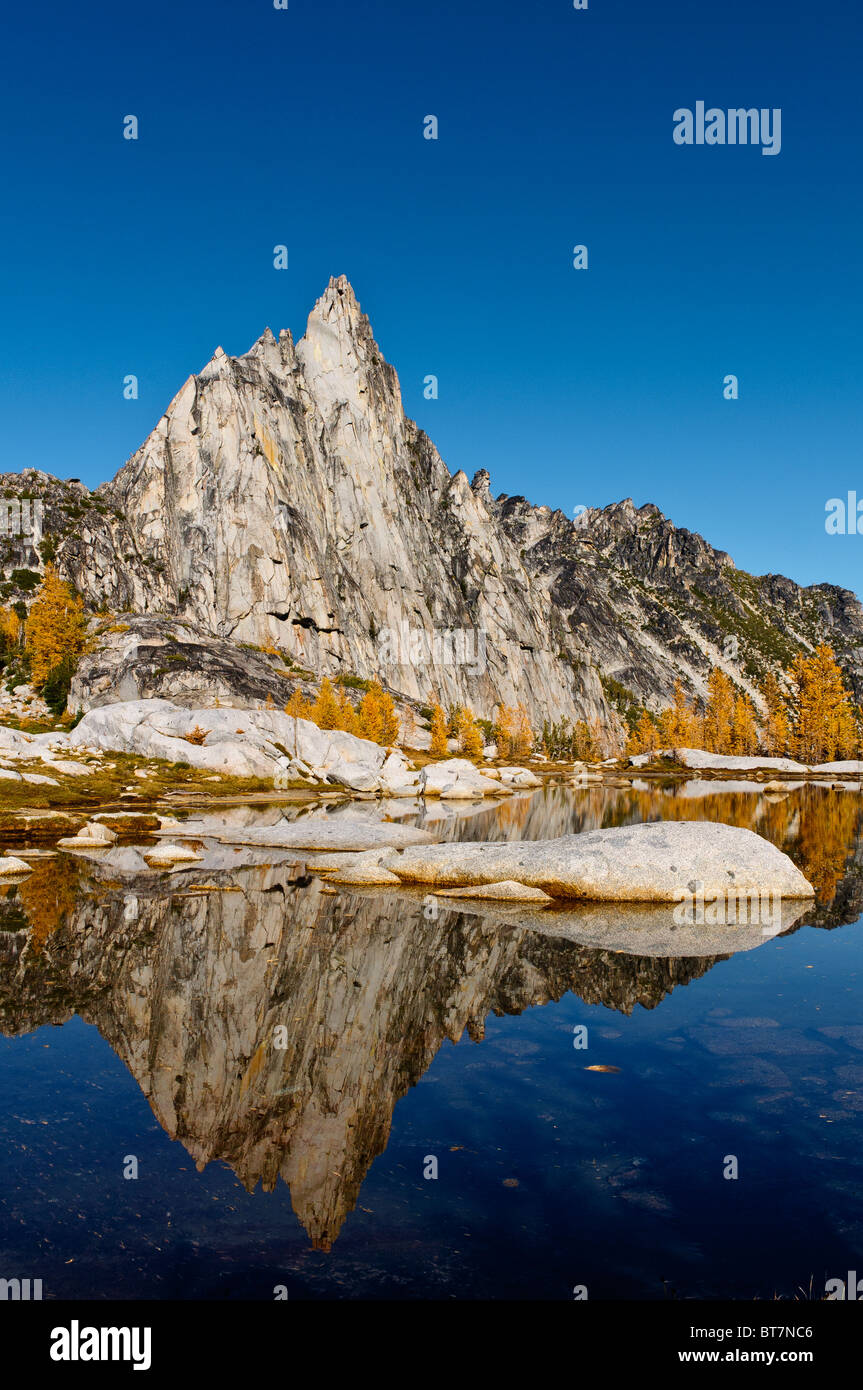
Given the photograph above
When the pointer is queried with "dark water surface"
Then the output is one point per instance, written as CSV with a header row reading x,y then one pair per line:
x,y
140,1016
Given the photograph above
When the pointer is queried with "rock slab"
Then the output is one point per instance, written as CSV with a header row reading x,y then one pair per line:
x,y
655,862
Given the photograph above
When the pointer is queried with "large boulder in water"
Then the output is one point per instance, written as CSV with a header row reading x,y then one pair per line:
x,y
656,862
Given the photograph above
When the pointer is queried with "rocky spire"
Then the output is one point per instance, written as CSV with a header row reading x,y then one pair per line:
x,y
284,500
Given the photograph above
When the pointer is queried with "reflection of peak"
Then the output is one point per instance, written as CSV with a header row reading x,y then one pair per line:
x,y
190,991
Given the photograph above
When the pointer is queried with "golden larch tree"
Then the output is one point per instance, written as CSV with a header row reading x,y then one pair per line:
x,y
824,721
55,626
298,706
719,714
348,721
389,720
469,735
679,724
644,738
776,733
504,731
439,747
744,733
325,711
523,739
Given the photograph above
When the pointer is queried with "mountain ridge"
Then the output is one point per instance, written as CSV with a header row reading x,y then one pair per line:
x,y
285,501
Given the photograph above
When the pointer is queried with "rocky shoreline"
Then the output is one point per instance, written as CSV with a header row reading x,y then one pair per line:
x,y
113,784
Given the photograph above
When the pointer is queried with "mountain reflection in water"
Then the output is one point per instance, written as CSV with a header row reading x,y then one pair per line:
x,y
274,1025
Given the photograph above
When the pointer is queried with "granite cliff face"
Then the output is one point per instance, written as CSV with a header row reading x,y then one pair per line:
x,y
285,501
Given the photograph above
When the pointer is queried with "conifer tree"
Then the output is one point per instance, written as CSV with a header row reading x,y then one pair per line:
x,y
744,739
438,733
522,736
469,735
389,720
348,721
504,731
10,630
298,706
824,721
644,738
679,724
583,745
325,711
776,734
718,717
371,714
55,627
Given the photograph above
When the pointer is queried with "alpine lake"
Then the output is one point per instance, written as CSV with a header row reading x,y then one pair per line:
x,y
245,1084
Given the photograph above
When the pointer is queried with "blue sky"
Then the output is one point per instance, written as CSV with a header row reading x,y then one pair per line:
x,y
305,127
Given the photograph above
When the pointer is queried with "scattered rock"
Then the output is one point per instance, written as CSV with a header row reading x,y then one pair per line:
x,y
519,777
97,830
67,767
457,779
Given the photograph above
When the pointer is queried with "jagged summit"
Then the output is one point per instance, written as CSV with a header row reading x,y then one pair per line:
x,y
285,500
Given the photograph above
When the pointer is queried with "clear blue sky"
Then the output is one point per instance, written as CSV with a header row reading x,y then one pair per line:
x,y
304,127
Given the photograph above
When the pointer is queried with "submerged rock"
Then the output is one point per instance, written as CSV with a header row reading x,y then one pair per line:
x,y
365,872
506,891
83,842
11,867
336,833
163,856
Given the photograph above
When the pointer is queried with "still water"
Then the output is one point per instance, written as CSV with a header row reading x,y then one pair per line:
x,y
138,1015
